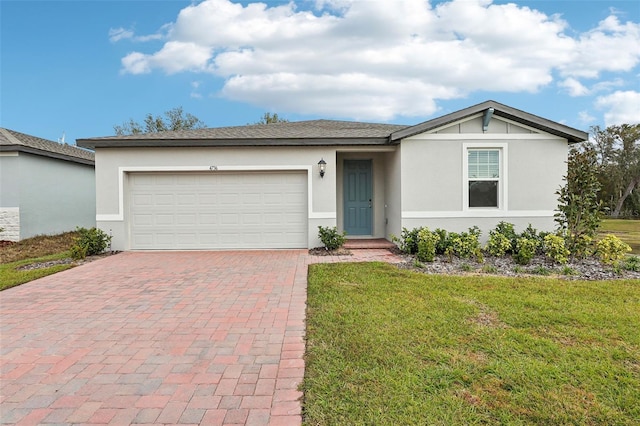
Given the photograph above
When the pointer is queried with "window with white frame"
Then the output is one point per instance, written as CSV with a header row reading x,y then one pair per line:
x,y
483,176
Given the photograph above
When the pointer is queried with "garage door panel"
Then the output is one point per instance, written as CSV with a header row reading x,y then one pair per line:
x,y
218,210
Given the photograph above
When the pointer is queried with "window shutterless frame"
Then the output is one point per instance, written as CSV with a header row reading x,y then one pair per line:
x,y
484,176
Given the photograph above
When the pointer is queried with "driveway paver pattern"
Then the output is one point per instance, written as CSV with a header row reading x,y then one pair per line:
x,y
157,338
211,338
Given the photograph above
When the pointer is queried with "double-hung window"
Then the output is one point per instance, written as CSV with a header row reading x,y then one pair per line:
x,y
483,177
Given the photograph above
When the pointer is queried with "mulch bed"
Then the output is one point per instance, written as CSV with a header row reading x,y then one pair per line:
x,y
66,261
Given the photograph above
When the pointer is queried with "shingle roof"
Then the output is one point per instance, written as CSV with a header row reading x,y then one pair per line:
x,y
10,140
323,132
552,127
314,132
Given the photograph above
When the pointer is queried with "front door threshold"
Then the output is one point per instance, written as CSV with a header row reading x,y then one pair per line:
x,y
368,243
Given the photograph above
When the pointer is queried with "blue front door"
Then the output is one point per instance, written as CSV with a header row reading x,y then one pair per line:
x,y
357,197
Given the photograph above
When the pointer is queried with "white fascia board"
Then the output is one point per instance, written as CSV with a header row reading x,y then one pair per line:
x,y
484,136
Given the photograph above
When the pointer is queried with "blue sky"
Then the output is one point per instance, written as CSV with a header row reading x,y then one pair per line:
x,y
80,67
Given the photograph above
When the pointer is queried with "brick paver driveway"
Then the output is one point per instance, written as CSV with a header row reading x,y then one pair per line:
x,y
167,337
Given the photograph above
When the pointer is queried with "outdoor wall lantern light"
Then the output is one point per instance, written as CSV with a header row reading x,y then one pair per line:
x,y
322,165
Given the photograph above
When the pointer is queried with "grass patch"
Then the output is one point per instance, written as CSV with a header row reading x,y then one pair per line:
x,y
388,346
43,248
626,229
35,247
11,276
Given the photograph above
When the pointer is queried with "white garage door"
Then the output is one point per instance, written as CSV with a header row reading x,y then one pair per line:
x,y
220,210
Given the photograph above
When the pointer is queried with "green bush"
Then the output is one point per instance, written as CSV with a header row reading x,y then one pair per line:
x,y
611,249
554,248
427,241
331,238
443,241
506,229
89,242
465,244
498,244
583,246
526,249
408,241
632,263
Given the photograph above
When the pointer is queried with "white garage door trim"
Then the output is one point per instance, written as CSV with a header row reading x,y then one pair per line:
x,y
217,209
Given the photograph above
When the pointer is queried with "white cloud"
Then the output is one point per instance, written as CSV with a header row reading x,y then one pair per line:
x,y
585,117
622,107
574,87
379,59
117,34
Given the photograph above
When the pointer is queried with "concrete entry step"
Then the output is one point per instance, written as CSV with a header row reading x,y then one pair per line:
x,y
373,243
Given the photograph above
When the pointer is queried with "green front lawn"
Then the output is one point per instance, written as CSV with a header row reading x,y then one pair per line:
x,y
394,347
11,275
625,229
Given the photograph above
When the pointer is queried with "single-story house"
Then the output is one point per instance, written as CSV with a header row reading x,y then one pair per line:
x,y
270,186
46,187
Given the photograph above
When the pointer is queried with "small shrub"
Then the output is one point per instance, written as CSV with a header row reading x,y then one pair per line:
x,y
489,269
541,270
89,242
583,246
632,263
466,244
443,241
331,238
466,267
532,233
568,270
507,229
525,250
611,249
519,269
408,241
427,241
498,244
555,249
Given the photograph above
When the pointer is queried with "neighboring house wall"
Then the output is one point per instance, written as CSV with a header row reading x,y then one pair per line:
x,y
9,196
55,196
435,180
114,165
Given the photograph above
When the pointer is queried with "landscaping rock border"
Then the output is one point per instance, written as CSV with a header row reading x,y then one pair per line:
x,y
575,269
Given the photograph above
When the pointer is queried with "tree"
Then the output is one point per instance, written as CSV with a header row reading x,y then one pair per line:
x,y
269,118
174,119
618,150
579,209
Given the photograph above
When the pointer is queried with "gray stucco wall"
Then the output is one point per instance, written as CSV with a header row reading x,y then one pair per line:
x,y
433,184
9,189
55,195
112,217
9,196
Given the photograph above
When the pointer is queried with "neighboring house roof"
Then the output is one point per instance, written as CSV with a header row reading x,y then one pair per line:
x,y
10,140
322,132
552,127
314,132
